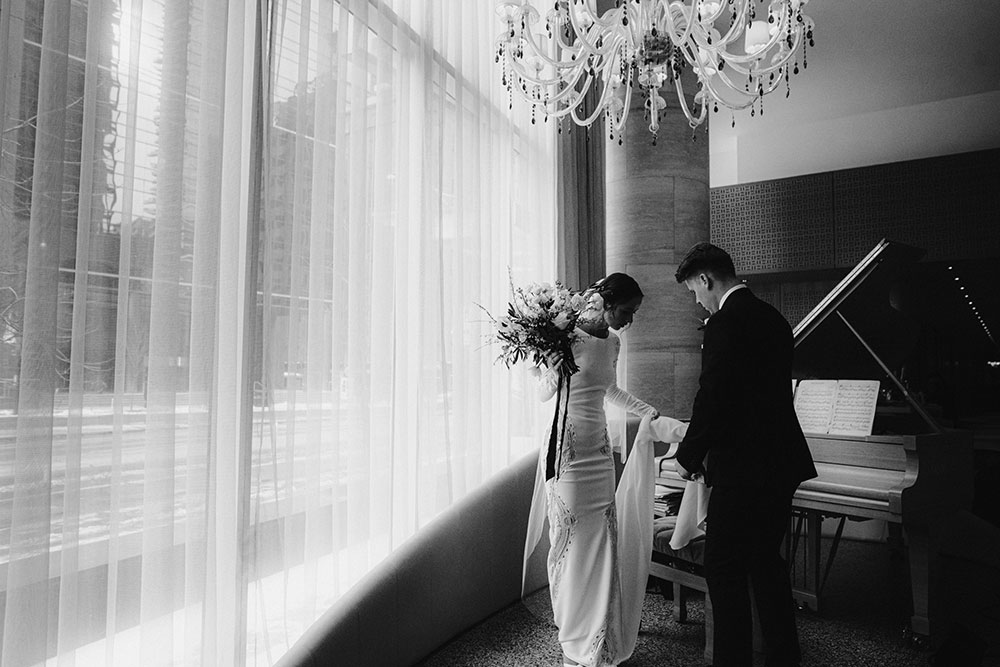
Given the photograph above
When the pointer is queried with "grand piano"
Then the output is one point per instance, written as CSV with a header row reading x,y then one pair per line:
x,y
910,472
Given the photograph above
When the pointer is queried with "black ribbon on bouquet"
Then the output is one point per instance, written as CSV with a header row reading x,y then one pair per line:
x,y
557,434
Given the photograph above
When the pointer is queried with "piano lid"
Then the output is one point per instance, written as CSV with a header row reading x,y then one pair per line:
x,y
856,332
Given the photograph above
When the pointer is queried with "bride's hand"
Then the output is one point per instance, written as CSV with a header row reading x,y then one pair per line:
x,y
554,360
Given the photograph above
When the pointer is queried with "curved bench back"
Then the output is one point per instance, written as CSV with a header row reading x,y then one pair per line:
x,y
455,572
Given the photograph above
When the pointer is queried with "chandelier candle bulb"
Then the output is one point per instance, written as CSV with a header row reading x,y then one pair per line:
x,y
757,37
555,61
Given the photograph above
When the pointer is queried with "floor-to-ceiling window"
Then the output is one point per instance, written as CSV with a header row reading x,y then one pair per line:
x,y
242,248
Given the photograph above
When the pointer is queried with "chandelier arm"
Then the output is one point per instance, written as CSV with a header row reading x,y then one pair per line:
x,y
577,49
737,26
559,113
521,72
598,109
518,67
714,17
603,101
581,34
677,35
554,98
608,19
797,34
757,55
748,98
576,68
628,100
556,63
692,120
738,63
569,91
580,65
561,41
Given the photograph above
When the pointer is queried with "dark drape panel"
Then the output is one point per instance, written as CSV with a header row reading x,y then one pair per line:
x,y
580,165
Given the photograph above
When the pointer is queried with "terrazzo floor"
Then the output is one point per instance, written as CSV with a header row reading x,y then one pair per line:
x,y
862,623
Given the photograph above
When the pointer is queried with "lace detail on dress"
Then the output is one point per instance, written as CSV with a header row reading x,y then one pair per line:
x,y
611,647
568,448
562,524
604,648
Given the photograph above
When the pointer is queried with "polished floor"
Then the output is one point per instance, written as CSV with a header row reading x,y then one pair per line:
x,y
863,623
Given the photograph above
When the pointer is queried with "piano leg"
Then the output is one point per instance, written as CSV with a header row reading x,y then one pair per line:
x,y
814,576
805,528
897,549
709,630
919,553
814,549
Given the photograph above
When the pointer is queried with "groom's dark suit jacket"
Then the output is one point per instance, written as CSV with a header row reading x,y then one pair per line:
x,y
743,426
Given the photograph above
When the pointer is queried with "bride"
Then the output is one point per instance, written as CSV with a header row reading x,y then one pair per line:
x,y
584,559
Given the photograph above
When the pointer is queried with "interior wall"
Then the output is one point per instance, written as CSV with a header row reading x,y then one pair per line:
x,y
761,152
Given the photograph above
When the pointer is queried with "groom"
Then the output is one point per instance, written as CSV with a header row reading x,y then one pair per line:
x,y
745,439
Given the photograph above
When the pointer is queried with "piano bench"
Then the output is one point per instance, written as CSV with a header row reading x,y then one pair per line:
x,y
683,569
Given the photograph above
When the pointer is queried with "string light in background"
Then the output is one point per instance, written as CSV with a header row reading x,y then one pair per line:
x,y
964,293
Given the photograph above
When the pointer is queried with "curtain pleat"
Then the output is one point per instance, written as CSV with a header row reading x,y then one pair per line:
x,y
27,632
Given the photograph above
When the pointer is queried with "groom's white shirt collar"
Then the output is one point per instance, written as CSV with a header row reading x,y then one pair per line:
x,y
729,291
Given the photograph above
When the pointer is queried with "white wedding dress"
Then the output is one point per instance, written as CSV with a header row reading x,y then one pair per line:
x,y
596,598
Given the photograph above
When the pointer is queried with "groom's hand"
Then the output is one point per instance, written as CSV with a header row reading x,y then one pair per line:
x,y
689,475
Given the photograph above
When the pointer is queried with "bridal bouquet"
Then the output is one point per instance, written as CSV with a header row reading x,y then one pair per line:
x,y
539,326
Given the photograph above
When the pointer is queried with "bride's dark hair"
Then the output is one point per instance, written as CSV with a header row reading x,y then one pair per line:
x,y
616,288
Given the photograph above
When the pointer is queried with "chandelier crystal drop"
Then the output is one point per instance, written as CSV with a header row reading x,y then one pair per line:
x,y
739,50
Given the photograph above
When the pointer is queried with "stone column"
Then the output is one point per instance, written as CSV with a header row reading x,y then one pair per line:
x,y
657,208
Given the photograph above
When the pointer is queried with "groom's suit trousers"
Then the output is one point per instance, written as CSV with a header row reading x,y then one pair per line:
x,y
746,527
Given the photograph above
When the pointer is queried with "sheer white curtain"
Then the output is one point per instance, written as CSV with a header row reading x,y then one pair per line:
x,y
123,198
398,191
241,357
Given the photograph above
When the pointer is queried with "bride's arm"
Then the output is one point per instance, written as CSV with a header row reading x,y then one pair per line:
x,y
548,382
620,398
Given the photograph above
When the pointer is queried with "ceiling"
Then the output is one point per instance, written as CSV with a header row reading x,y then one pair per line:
x,y
873,56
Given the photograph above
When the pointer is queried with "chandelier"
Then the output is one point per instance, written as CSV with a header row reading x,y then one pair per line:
x,y
739,50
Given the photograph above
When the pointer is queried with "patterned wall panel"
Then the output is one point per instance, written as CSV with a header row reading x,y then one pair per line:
x,y
949,206
767,291
794,299
776,226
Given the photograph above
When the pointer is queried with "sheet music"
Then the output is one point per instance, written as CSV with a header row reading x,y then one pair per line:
x,y
814,401
854,410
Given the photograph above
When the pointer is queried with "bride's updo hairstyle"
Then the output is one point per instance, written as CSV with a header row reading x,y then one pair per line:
x,y
616,288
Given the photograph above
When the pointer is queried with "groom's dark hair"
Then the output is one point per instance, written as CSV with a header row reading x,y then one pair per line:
x,y
705,258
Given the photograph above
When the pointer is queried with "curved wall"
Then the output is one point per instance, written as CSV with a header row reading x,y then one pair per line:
x,y
455,572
